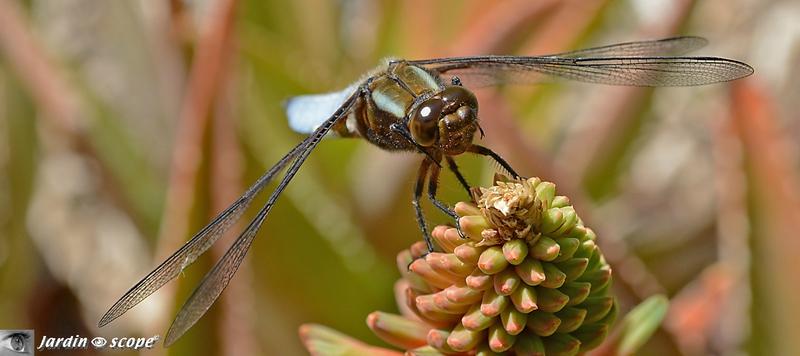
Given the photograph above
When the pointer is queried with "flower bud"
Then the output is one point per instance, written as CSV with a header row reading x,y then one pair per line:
x,y
529,279
492,260
546,249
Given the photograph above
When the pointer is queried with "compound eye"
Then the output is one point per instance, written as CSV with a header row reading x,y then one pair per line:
x,y
456,96
424,123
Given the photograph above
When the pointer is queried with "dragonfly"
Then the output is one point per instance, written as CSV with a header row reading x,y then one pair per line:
x,y
423,106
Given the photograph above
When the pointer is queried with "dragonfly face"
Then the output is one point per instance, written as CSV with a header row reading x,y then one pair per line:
x,y
447,121
410,109
420,106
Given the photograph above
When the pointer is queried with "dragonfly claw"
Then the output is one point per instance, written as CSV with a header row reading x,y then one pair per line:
x,y
422,256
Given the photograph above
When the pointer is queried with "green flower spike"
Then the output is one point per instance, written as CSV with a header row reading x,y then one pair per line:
x,y
528,280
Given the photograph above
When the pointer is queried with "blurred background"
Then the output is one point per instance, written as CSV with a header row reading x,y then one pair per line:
x,y
126,125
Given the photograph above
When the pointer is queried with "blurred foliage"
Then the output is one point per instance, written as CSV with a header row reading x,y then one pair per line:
x,y
694,191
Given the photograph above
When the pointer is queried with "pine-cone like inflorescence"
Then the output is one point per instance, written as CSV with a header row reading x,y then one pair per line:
x,y
528,279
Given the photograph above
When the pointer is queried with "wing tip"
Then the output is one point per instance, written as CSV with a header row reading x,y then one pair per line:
x,y
107,318
170,338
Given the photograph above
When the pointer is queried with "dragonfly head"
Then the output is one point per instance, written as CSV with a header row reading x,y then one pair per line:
x,y
447,120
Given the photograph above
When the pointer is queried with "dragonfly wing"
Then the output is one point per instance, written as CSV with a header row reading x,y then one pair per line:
x,y
214,282
628,71
664,47
218,278
307,112
195,247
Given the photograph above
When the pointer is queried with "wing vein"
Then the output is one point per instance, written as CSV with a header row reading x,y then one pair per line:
x,y
195,247
220,275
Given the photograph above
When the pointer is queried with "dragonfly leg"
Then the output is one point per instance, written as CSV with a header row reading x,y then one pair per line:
x,y
451,163
418,187
483,151
433,184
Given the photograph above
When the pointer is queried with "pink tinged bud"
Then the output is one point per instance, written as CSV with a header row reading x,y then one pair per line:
x,y
492,260
573,268
478,280
578,232
416,281
484,350
524,299
475,320
590,235
571,319
576,291
570,219
321,340
493,303
438,280
513,321
425,351
568,246
461,339
439,320
546,192
562,344
438,340
397,330
515,251
499,339
464,209
506,282
598,278
611,316
597,308
401,295
440,237
551,300
554,278
531,271
560,201
462,294
469,253
428,304
599,291
454,239
586,249
441,302
551,220
543,324
591,336
529,344
429,311
449,265
473,226
546,249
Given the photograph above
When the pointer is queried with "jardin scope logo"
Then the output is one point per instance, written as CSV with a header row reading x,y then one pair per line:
x,y
98,342
22,342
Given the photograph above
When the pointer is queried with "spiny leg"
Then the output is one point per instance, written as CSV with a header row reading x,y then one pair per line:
x,y
451,163
487,152
433,184
418,187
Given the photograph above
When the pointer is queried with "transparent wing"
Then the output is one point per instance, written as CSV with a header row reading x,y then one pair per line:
x,y
218,278
596,65
665,47
195,247
307,112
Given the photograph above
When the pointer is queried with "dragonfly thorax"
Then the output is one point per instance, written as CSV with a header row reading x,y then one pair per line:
x,y
447,120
